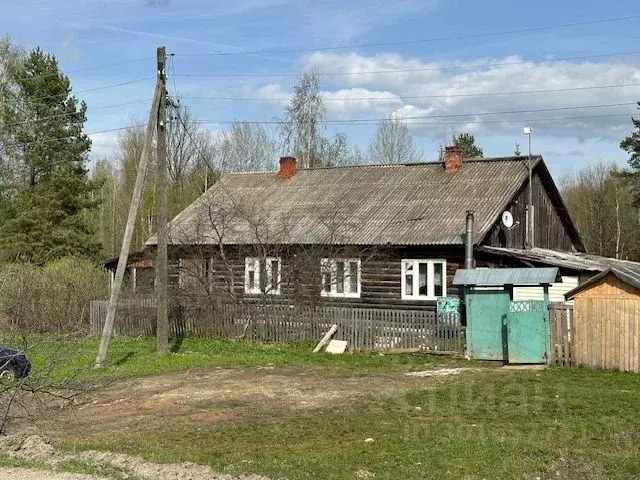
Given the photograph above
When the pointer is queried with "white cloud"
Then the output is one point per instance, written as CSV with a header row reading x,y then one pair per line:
x,y
444,92
272,94
341,104
103,145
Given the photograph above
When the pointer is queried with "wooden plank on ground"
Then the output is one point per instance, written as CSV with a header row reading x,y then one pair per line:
x,y
326,338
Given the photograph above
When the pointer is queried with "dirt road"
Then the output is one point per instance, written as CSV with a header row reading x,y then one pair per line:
x,y
33,474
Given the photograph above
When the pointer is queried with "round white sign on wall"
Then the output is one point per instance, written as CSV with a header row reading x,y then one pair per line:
x,y
507,219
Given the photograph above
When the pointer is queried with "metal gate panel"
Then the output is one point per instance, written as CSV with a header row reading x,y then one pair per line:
x,y
487,312
527,331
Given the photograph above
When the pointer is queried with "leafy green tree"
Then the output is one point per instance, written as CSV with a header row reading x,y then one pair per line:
x,y
46,218
467,143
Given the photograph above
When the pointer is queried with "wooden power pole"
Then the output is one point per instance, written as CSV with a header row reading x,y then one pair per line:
x,y
107,331
162,326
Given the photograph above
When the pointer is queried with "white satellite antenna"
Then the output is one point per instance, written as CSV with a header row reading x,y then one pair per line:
x,y
507,219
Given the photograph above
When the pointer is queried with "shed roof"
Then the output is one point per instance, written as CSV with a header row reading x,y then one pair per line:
x,y
570,260
494,277
140,259
408,204
629,276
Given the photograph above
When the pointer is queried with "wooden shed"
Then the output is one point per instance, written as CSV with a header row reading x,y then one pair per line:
x,y
606,321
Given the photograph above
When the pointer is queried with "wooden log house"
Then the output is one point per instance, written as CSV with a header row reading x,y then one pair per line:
x,y
371,236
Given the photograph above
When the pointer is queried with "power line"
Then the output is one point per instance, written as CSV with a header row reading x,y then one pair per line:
x,y
413,70
68,114
96,67
357,123
70,137
414,97
373,123
108,65
421,41
506,112
102,87
450,115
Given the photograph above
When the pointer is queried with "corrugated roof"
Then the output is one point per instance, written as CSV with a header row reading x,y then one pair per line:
x,y
492,277
627,275
412,204
572,260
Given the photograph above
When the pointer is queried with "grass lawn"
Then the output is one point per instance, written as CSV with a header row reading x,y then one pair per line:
x,y
486,423
64,358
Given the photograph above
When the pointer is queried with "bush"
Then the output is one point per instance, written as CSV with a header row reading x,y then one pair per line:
x,y
52,298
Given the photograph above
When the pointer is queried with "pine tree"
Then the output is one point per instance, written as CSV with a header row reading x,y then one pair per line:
x,y
48,214
467,143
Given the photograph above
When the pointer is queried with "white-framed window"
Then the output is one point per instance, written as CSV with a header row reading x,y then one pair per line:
x,y
424,279
340,277
262,275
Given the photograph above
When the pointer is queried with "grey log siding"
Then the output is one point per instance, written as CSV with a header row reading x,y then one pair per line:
x,y
550,230
381,282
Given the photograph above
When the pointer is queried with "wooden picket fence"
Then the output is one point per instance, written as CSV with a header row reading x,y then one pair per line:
x,y
365,329
562,339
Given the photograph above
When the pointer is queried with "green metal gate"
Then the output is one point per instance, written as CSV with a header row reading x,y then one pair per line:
x,y
527,331
486,332
501,329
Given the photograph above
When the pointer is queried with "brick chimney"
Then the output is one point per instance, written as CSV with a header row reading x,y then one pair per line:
x,y
452,159
287,167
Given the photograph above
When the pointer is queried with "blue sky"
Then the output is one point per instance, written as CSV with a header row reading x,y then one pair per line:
x,y
455,58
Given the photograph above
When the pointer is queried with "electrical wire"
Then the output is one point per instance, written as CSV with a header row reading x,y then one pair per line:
x,y
451,115
102,87
414,70
473,122
422,41
96,67
68,114
70,137
415,97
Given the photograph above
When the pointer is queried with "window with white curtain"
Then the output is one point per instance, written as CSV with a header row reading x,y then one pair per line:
x,y
262,275
340,277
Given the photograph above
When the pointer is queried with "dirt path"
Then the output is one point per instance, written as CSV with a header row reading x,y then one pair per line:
x,y
198,397
33,474
35,447
207,396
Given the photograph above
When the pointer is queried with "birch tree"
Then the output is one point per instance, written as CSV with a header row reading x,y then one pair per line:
x,y
393,143
244,147
601,203
304,120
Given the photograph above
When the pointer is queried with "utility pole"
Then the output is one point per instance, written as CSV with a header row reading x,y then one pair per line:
x,y
107,331
162,326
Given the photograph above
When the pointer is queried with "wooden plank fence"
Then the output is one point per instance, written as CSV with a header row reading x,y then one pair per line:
x,y
607,333
365,329
560,327
596,334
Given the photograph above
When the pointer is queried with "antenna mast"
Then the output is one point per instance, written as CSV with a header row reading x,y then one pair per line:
x,y
529,242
